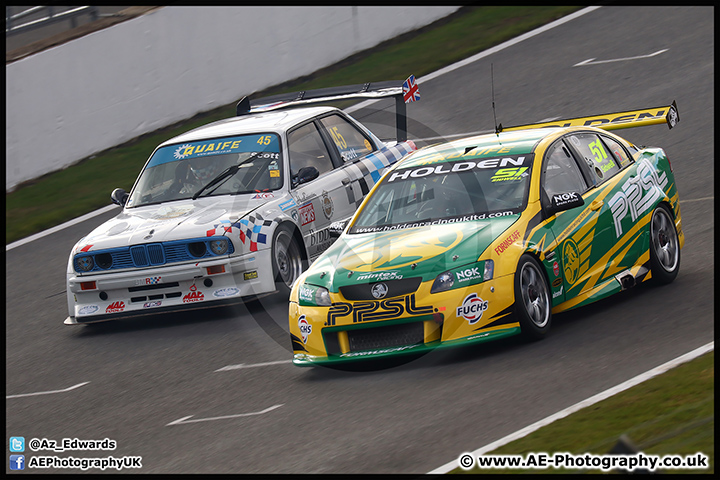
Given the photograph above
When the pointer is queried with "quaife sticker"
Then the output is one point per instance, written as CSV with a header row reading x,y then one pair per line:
x,y
472,308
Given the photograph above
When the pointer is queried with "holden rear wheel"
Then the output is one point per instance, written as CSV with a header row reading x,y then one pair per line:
x,y
664,246
532,300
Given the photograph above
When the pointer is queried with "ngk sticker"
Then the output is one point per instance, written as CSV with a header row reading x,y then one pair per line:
x,y
472,308
305,328
193,296
115,307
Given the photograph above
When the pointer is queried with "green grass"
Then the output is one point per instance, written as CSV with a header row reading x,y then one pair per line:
x,y
671,414
79,189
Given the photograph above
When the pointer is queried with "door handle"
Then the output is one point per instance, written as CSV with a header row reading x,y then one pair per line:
x,y
346,181
596,205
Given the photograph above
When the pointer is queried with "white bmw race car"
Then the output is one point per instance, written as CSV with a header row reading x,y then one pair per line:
x,y
233,209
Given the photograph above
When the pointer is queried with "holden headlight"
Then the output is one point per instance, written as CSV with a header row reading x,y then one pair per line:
x,y
310,295
85,264
443,282
489,270
219,247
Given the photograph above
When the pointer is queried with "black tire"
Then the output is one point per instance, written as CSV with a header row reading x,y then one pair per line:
x,y
664,246
532,299
287,259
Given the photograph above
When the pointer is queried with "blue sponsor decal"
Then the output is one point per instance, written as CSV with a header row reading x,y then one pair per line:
x,y
288,204
88,309
226,292
216,146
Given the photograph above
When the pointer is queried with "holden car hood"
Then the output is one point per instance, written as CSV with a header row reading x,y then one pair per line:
x,y
417,252
170,221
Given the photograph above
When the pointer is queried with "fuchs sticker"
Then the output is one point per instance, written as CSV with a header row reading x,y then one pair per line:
x,y
88,309
472,308
148,281
327,205
115,307
307,214
226,292
193,296
305,328
154,304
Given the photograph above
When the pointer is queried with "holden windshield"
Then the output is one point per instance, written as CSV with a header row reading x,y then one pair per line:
x,y
177,172
446,193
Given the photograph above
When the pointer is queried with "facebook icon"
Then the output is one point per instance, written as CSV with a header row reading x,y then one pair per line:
x,y
17,462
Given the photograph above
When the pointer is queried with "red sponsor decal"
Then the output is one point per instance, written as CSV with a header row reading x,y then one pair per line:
x,y
307,214
85,248
507,242
193,296
556,269
115,307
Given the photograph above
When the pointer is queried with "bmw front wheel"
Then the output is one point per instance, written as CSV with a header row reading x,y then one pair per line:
x,y
287,259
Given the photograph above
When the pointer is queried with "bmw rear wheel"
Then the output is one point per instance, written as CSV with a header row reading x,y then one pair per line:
x,y
664,246
287,259
532,300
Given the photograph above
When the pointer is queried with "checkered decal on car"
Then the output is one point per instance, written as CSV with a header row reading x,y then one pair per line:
x,y
254,229
368,170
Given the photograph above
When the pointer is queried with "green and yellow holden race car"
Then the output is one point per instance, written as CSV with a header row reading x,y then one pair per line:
x,y
486,237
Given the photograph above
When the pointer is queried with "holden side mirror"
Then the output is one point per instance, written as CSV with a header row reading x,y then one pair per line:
x,y
564,201
336,228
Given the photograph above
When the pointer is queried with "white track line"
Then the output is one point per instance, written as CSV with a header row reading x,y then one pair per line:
x,y
47,393
580,405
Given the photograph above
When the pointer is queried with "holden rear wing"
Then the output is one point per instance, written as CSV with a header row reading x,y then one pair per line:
x,y
614,121
403,92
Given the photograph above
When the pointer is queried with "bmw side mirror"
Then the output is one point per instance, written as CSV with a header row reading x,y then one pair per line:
x,y
564,201
119,197
306,174
336,228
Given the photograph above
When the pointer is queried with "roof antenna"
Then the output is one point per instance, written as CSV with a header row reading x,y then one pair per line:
x,y
498,128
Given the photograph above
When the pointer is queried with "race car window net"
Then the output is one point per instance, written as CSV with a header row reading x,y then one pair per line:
x,y
561,173
177,172
437,195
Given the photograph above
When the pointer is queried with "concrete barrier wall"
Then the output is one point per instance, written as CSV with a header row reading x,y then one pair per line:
x,y
103,89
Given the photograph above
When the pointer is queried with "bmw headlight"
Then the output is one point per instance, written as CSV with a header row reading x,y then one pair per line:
x,y
219,247
443,282
85,264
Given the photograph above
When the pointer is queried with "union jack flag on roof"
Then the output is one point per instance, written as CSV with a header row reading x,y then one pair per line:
x,y
411,92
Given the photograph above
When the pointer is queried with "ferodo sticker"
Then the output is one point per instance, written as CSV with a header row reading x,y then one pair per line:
x,y
472,308
305,328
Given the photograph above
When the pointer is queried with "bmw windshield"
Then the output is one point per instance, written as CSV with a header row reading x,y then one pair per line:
x,y
446,193
177,172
